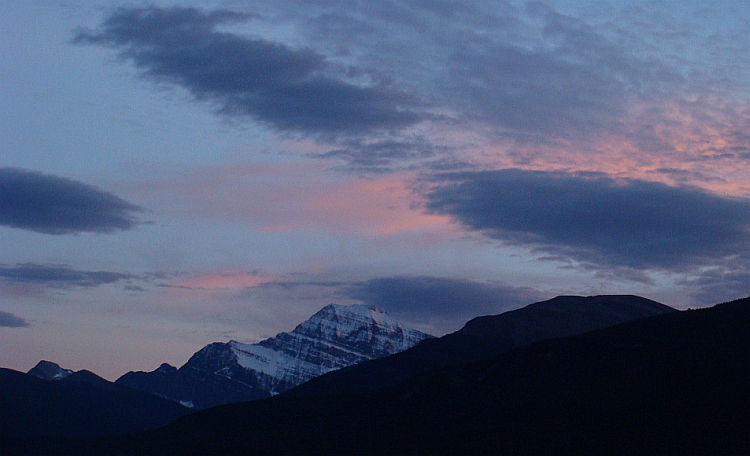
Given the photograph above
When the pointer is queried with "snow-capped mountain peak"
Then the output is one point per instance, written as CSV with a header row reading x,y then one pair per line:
x,y
335,337
337,323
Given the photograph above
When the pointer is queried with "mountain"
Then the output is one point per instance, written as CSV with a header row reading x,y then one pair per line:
x,y
487,336
47,370
675,383
562,316
335,337
76,404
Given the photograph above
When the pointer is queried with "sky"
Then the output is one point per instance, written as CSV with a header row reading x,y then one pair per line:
x,y
179,173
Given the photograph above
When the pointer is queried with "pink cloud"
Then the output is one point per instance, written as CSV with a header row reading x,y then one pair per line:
x,y
379,206
289,196
222,280
701,141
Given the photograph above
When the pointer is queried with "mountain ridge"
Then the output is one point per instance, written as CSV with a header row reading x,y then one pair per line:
x,y
222,372
486,336
48,370
673,383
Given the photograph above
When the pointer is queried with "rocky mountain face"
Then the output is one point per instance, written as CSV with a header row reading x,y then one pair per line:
x,y
335,337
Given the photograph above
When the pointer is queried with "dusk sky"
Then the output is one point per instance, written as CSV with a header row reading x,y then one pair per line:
x,y
180,173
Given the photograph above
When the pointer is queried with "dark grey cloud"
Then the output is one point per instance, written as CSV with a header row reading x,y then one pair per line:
x,y
58,276
8,320
54,205
523,73
290,89
437,305
521,70
447,303
595,219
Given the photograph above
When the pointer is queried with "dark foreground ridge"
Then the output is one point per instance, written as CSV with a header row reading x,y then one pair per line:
x,y
675,383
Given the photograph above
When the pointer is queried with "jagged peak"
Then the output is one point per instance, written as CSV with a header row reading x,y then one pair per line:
x,y
336,336
44,364
339,313
212,352
336,321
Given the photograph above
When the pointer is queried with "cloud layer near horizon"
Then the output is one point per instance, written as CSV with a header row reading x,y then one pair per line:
x,y
593,218
447,302
54,205
434,304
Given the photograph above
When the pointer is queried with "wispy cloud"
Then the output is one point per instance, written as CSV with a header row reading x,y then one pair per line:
x,y
55,205
520,70
434,304
290,196
593,218
221,280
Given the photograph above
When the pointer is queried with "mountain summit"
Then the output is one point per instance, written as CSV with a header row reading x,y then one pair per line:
x,y
335,337
47,370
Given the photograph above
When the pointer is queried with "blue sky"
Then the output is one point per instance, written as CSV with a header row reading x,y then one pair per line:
x,y
180,173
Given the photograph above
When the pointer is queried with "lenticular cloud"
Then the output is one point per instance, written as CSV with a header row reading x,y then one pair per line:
x,y
54,205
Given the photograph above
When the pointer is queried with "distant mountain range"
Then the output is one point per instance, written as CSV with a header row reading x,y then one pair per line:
x,y
538,380
335,337
50,401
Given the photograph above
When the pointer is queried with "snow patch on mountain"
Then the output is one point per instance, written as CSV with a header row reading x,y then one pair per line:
x,y
335,337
